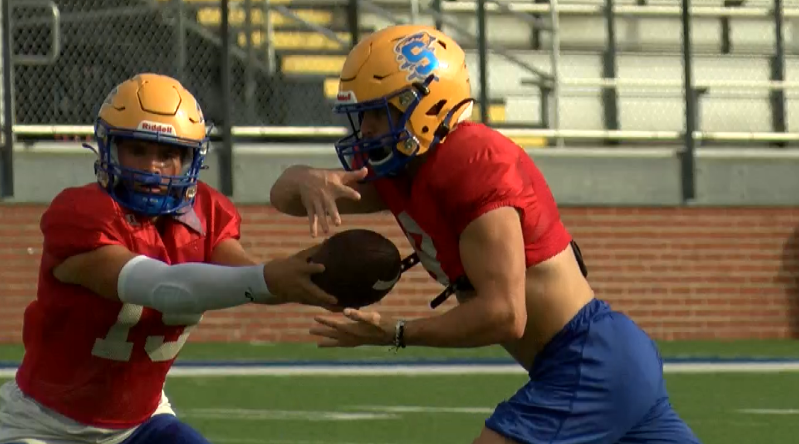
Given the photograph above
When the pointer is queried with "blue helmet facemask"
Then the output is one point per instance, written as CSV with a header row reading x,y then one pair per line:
x,y
143,192
380,152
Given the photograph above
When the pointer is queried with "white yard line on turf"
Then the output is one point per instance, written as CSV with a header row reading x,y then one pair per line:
x,y
278,441
239,414
770,411
457,369
420,409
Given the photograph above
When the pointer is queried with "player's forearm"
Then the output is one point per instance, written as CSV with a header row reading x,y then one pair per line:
x,y
230,253
189,287
477,322
285,192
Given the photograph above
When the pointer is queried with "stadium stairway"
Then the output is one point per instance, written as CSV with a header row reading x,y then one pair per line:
x,y
304,55
296,87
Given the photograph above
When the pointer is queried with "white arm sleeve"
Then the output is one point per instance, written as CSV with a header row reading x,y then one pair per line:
x,y
190,287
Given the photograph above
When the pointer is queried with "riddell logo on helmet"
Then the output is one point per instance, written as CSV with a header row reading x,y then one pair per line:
x,y
155,127
346,97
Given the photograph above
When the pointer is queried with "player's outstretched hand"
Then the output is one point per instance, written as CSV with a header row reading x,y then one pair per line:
x,y
356,328
289,280
320,191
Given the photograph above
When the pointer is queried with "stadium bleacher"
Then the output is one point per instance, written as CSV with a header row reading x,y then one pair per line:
x,y
296,72
310,55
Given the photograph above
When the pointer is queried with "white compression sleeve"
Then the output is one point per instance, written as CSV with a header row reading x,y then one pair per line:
x,y
190,287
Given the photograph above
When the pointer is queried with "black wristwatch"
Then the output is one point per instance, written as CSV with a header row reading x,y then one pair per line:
x,y
399,335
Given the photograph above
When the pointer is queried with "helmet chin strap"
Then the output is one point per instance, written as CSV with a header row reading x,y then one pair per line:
x,y
90,148
443,130
467,113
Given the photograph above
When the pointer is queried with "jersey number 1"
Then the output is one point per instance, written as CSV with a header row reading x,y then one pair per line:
x,y
424,247
115,345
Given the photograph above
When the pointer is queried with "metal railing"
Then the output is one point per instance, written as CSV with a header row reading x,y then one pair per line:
x,y
248,96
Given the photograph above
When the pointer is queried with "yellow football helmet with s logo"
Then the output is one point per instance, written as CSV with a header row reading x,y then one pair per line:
x,y
153,108
421,73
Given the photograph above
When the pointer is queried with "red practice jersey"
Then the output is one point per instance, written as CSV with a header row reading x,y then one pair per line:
x,y
97,361
474,171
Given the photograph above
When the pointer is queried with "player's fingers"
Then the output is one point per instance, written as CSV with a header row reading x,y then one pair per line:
x,y
329,343
319,296
328,322
368,317
305,265
344,330
309,252
347,192
325,332
333,308
312,267
322,299
309,210
312,223
332,210
319,208
362,316
354,176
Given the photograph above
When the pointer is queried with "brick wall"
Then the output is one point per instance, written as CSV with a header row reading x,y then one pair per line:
x,y
680,272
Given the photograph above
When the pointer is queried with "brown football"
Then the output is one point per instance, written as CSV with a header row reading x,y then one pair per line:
x,y
361,267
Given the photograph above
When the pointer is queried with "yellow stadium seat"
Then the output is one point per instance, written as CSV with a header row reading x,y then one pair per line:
x,y
308,40
530,141
258,39
212,16
331,87
293,40
496,112
278,2
201,2
274,2
312,64
317,17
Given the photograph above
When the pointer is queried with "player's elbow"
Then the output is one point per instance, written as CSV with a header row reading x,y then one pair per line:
x,y
515,323
95,270
508,320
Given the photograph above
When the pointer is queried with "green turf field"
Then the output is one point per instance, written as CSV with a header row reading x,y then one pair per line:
x,y
451,409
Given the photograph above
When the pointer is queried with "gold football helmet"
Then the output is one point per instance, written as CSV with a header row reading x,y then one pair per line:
x,y
418,71
155,108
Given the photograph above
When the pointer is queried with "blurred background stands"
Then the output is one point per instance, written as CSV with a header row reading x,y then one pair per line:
x,y
285,56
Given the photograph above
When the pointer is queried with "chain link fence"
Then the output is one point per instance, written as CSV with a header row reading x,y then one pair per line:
x,y
284,60
732,63
103,42
733,48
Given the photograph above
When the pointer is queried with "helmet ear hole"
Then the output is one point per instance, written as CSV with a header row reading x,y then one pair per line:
x,y
436,109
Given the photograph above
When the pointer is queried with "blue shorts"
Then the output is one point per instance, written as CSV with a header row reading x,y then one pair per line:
x,y
598,381
165,429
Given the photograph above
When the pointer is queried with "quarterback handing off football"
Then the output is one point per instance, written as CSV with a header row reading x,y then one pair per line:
x,y
361,267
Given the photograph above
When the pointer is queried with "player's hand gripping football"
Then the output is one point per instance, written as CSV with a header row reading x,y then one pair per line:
x,y
356,328
289,281
320,190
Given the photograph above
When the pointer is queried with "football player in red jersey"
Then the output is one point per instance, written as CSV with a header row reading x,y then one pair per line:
x,y
129,265
484,223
